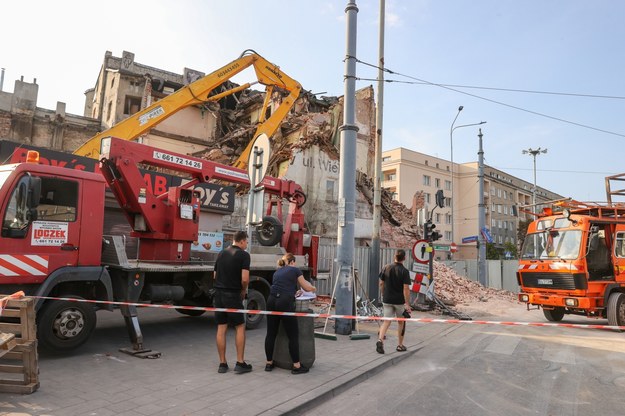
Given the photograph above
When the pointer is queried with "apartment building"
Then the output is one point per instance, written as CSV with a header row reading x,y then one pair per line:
x,y
407,172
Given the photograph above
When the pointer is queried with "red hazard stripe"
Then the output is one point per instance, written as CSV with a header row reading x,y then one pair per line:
x,y
30,260
18,264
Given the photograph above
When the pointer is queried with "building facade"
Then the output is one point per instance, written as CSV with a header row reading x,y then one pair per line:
x,y
407,173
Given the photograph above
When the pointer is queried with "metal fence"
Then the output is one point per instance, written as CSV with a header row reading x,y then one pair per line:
x,y
500,274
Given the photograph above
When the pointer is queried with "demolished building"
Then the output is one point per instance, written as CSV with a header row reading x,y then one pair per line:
x,y
305,148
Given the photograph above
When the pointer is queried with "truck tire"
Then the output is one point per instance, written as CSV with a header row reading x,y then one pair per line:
x,y
269,233
255,300
554,315
616,309
64,325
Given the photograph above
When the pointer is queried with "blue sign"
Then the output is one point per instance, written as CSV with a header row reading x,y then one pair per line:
x,y
486,235
470,239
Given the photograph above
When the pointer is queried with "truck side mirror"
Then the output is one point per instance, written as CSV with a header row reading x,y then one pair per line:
x,y
440,199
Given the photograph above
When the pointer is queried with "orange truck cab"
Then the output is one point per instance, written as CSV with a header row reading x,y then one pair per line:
x,y
573,262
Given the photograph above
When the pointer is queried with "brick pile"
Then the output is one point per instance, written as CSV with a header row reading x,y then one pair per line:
x,y
455,289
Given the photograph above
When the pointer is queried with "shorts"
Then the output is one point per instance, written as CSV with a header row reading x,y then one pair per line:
x,y
393,311
231,300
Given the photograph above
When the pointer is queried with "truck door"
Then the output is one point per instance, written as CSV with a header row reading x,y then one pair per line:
x,y
619,253
40,228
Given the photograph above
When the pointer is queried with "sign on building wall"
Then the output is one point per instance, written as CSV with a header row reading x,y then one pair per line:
x,y
213,197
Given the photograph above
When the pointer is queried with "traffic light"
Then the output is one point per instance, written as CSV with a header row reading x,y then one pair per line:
x,y
428,231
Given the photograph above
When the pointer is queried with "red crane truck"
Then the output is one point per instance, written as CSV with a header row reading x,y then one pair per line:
x,y
52,242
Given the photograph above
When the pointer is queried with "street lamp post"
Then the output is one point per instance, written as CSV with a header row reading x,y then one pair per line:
x,y
451,140
534,153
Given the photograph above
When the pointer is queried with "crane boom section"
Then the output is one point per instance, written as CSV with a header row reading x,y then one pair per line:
x,y
198,92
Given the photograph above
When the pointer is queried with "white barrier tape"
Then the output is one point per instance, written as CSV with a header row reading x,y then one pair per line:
x,y
335,316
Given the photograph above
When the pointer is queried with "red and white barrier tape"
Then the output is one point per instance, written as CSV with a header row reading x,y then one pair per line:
x,y
335,316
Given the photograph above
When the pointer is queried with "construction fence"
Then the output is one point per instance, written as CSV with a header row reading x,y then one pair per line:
x,y
500,274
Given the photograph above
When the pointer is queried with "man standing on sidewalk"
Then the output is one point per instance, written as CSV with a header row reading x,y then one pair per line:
x,y
395,289
232,276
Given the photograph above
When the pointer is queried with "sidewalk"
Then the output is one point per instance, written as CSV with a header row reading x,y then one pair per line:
x,y
99,380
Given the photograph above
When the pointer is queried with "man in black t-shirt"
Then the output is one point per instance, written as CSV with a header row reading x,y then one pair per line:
x,y
232,276
395,289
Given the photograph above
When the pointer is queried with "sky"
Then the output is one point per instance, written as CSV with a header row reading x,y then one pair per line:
x,y
541,73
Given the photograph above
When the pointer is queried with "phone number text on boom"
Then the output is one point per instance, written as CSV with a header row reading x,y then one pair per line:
x,y
177,160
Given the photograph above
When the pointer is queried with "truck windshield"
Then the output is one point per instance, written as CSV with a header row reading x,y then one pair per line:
x,y
552,244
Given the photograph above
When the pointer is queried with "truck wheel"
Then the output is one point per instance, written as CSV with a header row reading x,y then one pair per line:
x,y
255,300
616,309
64,325
554,315
269,233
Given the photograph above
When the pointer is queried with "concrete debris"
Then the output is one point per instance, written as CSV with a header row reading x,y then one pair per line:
x,y
313,121
454,289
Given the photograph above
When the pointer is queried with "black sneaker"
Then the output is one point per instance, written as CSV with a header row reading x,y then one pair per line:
x,y
379,347
223,368
269,367
243,367
300,370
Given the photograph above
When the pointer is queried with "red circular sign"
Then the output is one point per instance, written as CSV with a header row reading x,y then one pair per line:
x,y
453,247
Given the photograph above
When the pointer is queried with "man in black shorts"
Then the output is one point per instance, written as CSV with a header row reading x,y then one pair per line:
x,y
232,276
395,290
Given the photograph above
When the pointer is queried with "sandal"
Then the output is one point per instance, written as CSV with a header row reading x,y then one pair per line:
x,y
401,348
379,347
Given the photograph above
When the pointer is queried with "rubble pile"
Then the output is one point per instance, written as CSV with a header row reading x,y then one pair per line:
x,y
455,289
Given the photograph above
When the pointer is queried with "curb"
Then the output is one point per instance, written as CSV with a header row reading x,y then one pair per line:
x,y
344,382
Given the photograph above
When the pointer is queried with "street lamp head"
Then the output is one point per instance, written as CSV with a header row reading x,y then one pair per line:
x,y
460,108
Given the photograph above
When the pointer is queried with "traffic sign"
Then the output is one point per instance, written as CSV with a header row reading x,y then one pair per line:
x,y
486,235
420,252
453,247
470,239
441,248
256,169
420,268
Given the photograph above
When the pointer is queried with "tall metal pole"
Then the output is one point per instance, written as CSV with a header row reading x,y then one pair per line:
x,y
347,181
534,153
451,142
374,263
451,138
481,261
534,189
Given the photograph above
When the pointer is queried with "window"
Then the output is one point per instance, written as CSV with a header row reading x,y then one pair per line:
x,y
427,198
448,185
109,111
499,193
437,218
448,235
329,191
437,167
58,200
391,176
386,158
437,183
505,209
447,201
447,218
132,105
498,208
426,180
492,207
493,190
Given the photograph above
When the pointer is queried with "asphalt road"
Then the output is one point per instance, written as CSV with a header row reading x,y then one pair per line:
x,y
499,370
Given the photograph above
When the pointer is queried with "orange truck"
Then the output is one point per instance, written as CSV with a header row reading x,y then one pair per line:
x,y
573,259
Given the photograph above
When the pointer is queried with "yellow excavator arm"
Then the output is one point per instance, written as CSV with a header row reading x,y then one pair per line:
x,y
197,92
